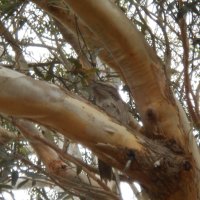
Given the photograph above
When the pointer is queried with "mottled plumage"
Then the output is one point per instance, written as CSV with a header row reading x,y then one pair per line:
x,y
108,99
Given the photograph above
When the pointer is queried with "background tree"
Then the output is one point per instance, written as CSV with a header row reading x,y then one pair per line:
x,y
62,63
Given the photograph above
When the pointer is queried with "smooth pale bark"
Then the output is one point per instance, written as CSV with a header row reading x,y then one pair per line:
x,y
75,118
125,52
24,97
135,61
143,72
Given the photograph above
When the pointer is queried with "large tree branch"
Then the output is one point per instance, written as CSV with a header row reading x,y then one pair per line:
x,y
50,103
162,115
139,65
77,119
125,50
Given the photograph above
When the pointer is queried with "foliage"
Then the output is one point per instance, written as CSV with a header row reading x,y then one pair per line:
x,y
28,31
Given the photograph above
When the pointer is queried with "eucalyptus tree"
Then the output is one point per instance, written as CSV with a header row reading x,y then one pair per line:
x,y
63,67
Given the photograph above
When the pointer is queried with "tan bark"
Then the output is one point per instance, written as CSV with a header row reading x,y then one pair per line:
x,y
166,162
50,102
74,117
143,73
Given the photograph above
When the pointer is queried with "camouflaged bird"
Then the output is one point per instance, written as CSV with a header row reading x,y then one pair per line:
x,y
108,99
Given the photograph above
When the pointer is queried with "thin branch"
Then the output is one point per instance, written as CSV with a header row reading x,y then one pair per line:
x,y
20,60
188,90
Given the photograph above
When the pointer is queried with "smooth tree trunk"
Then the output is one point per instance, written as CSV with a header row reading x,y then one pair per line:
x,y
162,156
